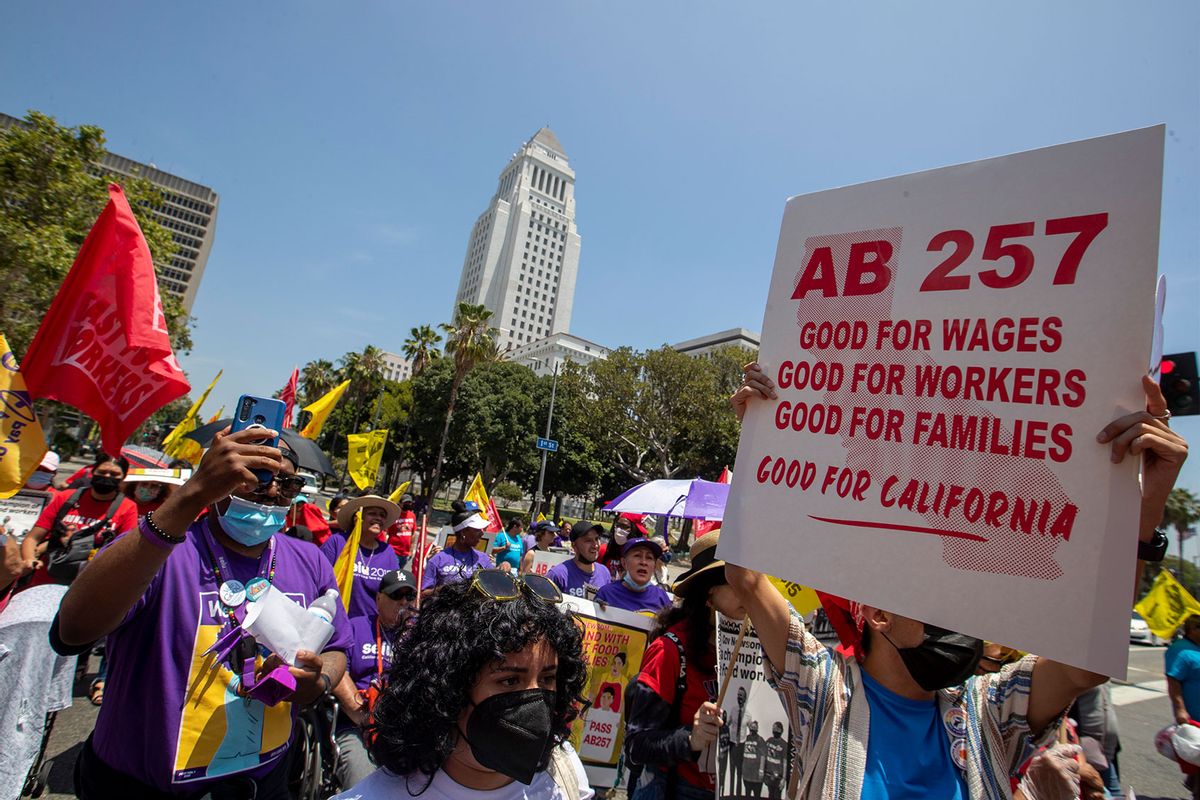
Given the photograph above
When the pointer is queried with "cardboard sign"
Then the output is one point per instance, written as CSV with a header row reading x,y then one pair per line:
x,y
614,642
543,560
753,756
19,513
946,346
447,537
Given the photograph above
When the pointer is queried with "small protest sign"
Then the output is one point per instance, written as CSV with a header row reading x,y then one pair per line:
x,y
614,642
946,346
543,560
19,513
753,749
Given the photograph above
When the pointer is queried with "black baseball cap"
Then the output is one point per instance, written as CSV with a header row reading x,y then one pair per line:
x,y
583,528
394,582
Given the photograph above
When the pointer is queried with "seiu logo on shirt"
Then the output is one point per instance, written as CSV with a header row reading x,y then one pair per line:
x,y
577,592
368,572
368,650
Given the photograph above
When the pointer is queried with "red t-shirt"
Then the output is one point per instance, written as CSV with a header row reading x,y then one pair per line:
x,y
399,535
660,672
87,511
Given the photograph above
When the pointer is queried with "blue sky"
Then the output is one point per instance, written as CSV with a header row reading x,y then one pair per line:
x,y
353,144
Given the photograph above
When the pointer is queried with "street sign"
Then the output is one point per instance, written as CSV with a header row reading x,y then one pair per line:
x,y
547,444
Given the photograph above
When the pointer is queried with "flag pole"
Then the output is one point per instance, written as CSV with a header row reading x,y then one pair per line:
x,y
737,646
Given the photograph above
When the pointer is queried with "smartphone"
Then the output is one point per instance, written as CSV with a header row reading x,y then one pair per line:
x,y
259,412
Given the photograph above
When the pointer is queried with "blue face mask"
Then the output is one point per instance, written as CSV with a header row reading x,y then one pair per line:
x,y
250,524
632,584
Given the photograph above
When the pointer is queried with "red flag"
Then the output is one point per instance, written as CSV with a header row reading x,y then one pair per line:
x,y
494,523
288,396
103,345
703,526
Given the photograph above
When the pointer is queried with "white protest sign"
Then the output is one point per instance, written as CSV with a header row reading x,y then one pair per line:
x,y
543,560
753,748
946,346
19,513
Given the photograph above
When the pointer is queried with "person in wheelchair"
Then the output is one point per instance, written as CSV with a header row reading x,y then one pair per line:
x,y
370,659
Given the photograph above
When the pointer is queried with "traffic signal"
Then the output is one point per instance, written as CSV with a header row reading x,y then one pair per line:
x,y
1180,384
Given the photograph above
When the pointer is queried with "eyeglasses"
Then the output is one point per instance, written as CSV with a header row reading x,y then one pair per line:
x,y
496,584
287,486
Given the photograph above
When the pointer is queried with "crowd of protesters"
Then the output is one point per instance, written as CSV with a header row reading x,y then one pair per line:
x,y
462,679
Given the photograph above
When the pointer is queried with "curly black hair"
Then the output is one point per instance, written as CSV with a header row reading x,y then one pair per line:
x,y
438,659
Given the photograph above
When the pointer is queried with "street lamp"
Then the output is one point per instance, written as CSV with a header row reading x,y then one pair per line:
x,y
537,500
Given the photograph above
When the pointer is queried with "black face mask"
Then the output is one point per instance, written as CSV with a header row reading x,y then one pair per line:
x,y
103,484
943,660
511,733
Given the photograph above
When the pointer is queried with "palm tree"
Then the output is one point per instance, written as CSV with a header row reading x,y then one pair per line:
x,y
316,378
420,347
1182,512
469,339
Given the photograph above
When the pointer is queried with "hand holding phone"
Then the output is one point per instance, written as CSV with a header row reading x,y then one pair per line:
x,y
260,412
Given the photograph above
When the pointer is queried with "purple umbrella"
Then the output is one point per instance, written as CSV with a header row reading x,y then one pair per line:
x,y
694,499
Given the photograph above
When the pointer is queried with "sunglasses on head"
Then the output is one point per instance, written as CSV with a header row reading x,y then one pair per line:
x,y
496,584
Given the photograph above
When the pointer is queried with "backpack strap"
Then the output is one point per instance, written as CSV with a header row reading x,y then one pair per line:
x,y
677,705
563,772
66,507
108,517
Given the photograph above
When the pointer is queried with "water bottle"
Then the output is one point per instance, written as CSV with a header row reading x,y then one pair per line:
x,y
325,607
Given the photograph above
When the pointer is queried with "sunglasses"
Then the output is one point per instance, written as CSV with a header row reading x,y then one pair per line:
x,y
496,584
286,485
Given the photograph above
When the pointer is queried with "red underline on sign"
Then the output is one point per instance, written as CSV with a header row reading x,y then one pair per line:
x,y
856,523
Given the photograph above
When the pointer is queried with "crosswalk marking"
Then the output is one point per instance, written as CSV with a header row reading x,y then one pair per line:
x,y
1123,695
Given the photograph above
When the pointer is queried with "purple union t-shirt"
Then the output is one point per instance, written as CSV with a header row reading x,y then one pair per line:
x,y
170,718
571,579
451,566
369,567
619,595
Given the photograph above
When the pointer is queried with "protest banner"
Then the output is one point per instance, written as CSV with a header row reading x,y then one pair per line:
x,y
753,751
363,454
946,346
22,443
614,641
19,513
103,345
543,560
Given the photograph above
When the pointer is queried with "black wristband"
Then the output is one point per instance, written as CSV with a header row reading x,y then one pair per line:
x,y
327,682
1155,550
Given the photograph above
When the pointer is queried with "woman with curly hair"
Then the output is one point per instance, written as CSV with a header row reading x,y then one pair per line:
x,y
480,701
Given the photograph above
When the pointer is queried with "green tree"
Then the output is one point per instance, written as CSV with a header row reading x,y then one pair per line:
x,y
580,466
52,191
317,377
1182,512
420,347
468,341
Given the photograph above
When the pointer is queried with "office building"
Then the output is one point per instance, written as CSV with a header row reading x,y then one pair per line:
x,y
188,210
705,345
396,367
523,252
544,355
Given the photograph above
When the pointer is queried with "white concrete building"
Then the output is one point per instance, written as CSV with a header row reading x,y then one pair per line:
x,y
705,345
396,367
523,252
545,354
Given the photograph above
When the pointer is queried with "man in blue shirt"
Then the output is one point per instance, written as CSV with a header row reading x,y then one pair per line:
x,y
1182,665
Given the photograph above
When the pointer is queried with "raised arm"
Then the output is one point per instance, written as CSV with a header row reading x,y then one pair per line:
x,y
1144,434
118,576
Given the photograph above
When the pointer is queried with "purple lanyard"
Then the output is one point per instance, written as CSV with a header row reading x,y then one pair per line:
x,y
223,571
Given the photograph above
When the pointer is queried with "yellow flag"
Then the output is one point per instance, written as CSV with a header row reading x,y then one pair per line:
x,y
220,413
401,490
343,568
540,517
177,445
24,444
365,453
1166,605
479,496
321,409
803,599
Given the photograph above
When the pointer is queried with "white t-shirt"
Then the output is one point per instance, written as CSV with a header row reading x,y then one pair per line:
x,y
384,785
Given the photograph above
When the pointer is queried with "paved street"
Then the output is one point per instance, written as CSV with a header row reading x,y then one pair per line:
x,y
1142,709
